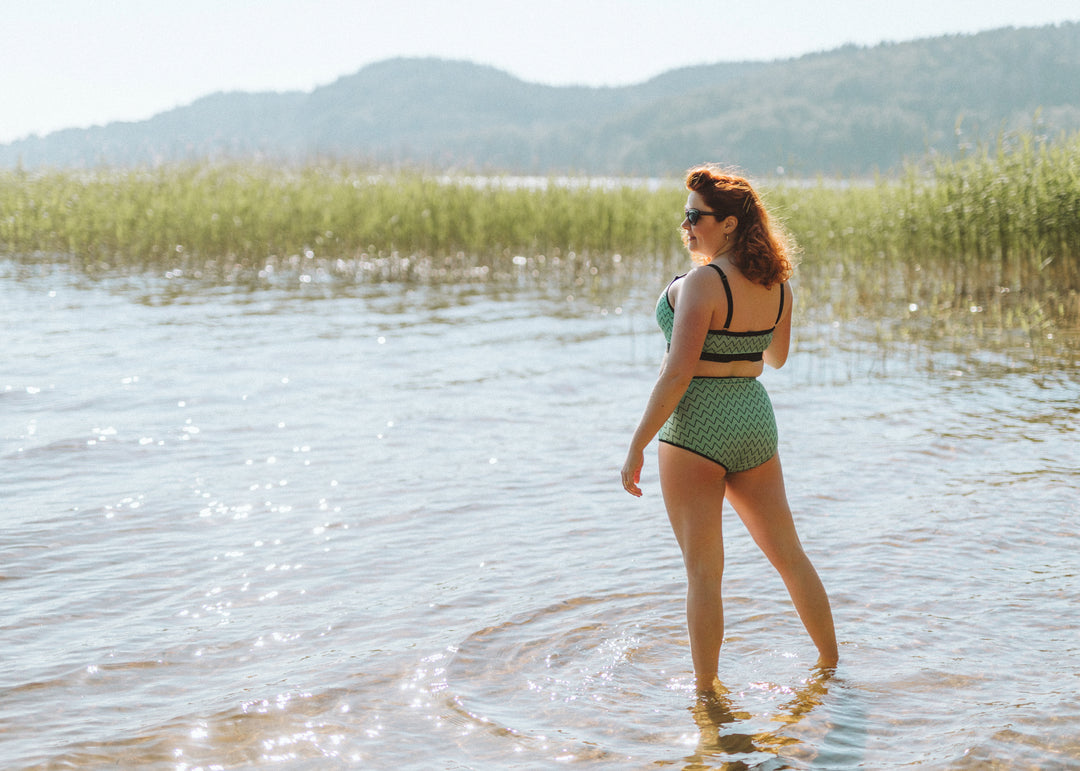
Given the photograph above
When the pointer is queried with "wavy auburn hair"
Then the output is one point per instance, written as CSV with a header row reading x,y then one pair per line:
x,y
763,252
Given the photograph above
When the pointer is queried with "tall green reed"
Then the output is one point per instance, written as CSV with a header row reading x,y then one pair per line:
x,y
997,230
228,219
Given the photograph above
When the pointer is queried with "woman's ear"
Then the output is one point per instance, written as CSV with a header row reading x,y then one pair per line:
x,y
730,223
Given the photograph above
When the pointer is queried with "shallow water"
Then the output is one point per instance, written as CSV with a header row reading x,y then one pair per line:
x,y
382,527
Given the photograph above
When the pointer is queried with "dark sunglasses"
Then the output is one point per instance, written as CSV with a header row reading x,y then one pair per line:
x,y
693,216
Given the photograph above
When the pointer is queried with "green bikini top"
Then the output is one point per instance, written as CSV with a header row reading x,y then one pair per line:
x,y
720,345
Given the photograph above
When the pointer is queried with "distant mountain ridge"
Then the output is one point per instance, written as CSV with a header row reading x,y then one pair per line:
x,y
853,111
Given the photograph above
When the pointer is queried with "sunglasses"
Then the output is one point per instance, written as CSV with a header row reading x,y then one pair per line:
x,y
693,216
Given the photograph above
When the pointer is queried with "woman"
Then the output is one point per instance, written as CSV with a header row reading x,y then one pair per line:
x,y
724,320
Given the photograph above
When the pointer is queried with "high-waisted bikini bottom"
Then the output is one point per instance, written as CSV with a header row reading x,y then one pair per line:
x,y
728,420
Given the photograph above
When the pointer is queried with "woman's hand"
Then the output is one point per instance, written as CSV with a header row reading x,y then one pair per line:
x,y
631,472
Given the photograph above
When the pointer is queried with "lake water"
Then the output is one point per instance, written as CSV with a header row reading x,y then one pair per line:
x,y
382,527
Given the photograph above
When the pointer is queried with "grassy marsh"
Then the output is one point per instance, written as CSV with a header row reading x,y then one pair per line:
x,y
993,238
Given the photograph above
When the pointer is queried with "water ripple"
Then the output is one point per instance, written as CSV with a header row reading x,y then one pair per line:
x,y
383,528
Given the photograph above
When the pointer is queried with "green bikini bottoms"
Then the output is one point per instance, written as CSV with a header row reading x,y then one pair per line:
x,y
728,420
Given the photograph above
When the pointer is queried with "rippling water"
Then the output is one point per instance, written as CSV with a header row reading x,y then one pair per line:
x,y
382,527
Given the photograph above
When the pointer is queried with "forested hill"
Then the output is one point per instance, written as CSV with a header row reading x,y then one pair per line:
x,y
850,111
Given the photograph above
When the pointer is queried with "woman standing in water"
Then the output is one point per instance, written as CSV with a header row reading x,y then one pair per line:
x,y
724,320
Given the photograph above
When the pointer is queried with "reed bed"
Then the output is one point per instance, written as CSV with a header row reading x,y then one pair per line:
x,y
229,222
992,239
994,233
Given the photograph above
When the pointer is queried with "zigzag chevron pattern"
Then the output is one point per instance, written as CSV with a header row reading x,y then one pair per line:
x,y
665,315
728,420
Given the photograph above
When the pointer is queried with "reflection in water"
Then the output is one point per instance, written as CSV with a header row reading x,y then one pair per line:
x,y
721,738
716,717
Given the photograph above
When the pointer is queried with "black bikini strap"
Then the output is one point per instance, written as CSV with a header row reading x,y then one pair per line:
x,y
781,311
727,291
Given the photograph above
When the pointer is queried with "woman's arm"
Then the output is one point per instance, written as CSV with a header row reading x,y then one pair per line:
x,y
693,313
777,352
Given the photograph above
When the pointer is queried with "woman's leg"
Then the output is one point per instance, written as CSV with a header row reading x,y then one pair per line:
x,y
693,489
759,498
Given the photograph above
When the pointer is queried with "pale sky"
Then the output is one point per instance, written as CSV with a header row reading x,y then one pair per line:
x,y
77,63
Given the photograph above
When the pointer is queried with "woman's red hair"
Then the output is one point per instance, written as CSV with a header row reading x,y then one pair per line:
x,y
761,252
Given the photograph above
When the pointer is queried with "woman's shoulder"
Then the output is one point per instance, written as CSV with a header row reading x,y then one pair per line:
x,y
698,286
706,274
699,278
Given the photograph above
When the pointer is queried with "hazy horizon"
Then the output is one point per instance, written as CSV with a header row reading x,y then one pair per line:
x,y
70,64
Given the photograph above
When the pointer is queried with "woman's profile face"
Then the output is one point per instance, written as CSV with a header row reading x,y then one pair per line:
x,y
705,238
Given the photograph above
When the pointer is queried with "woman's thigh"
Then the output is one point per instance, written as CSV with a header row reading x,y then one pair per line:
x,y
693,489
760,499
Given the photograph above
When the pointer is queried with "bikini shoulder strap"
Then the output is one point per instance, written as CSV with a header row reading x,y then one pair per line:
x,y
781,311
727,291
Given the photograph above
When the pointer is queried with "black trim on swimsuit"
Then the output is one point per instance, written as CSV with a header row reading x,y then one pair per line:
x,y
725,358
728,357
727,291
731,304
729,333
